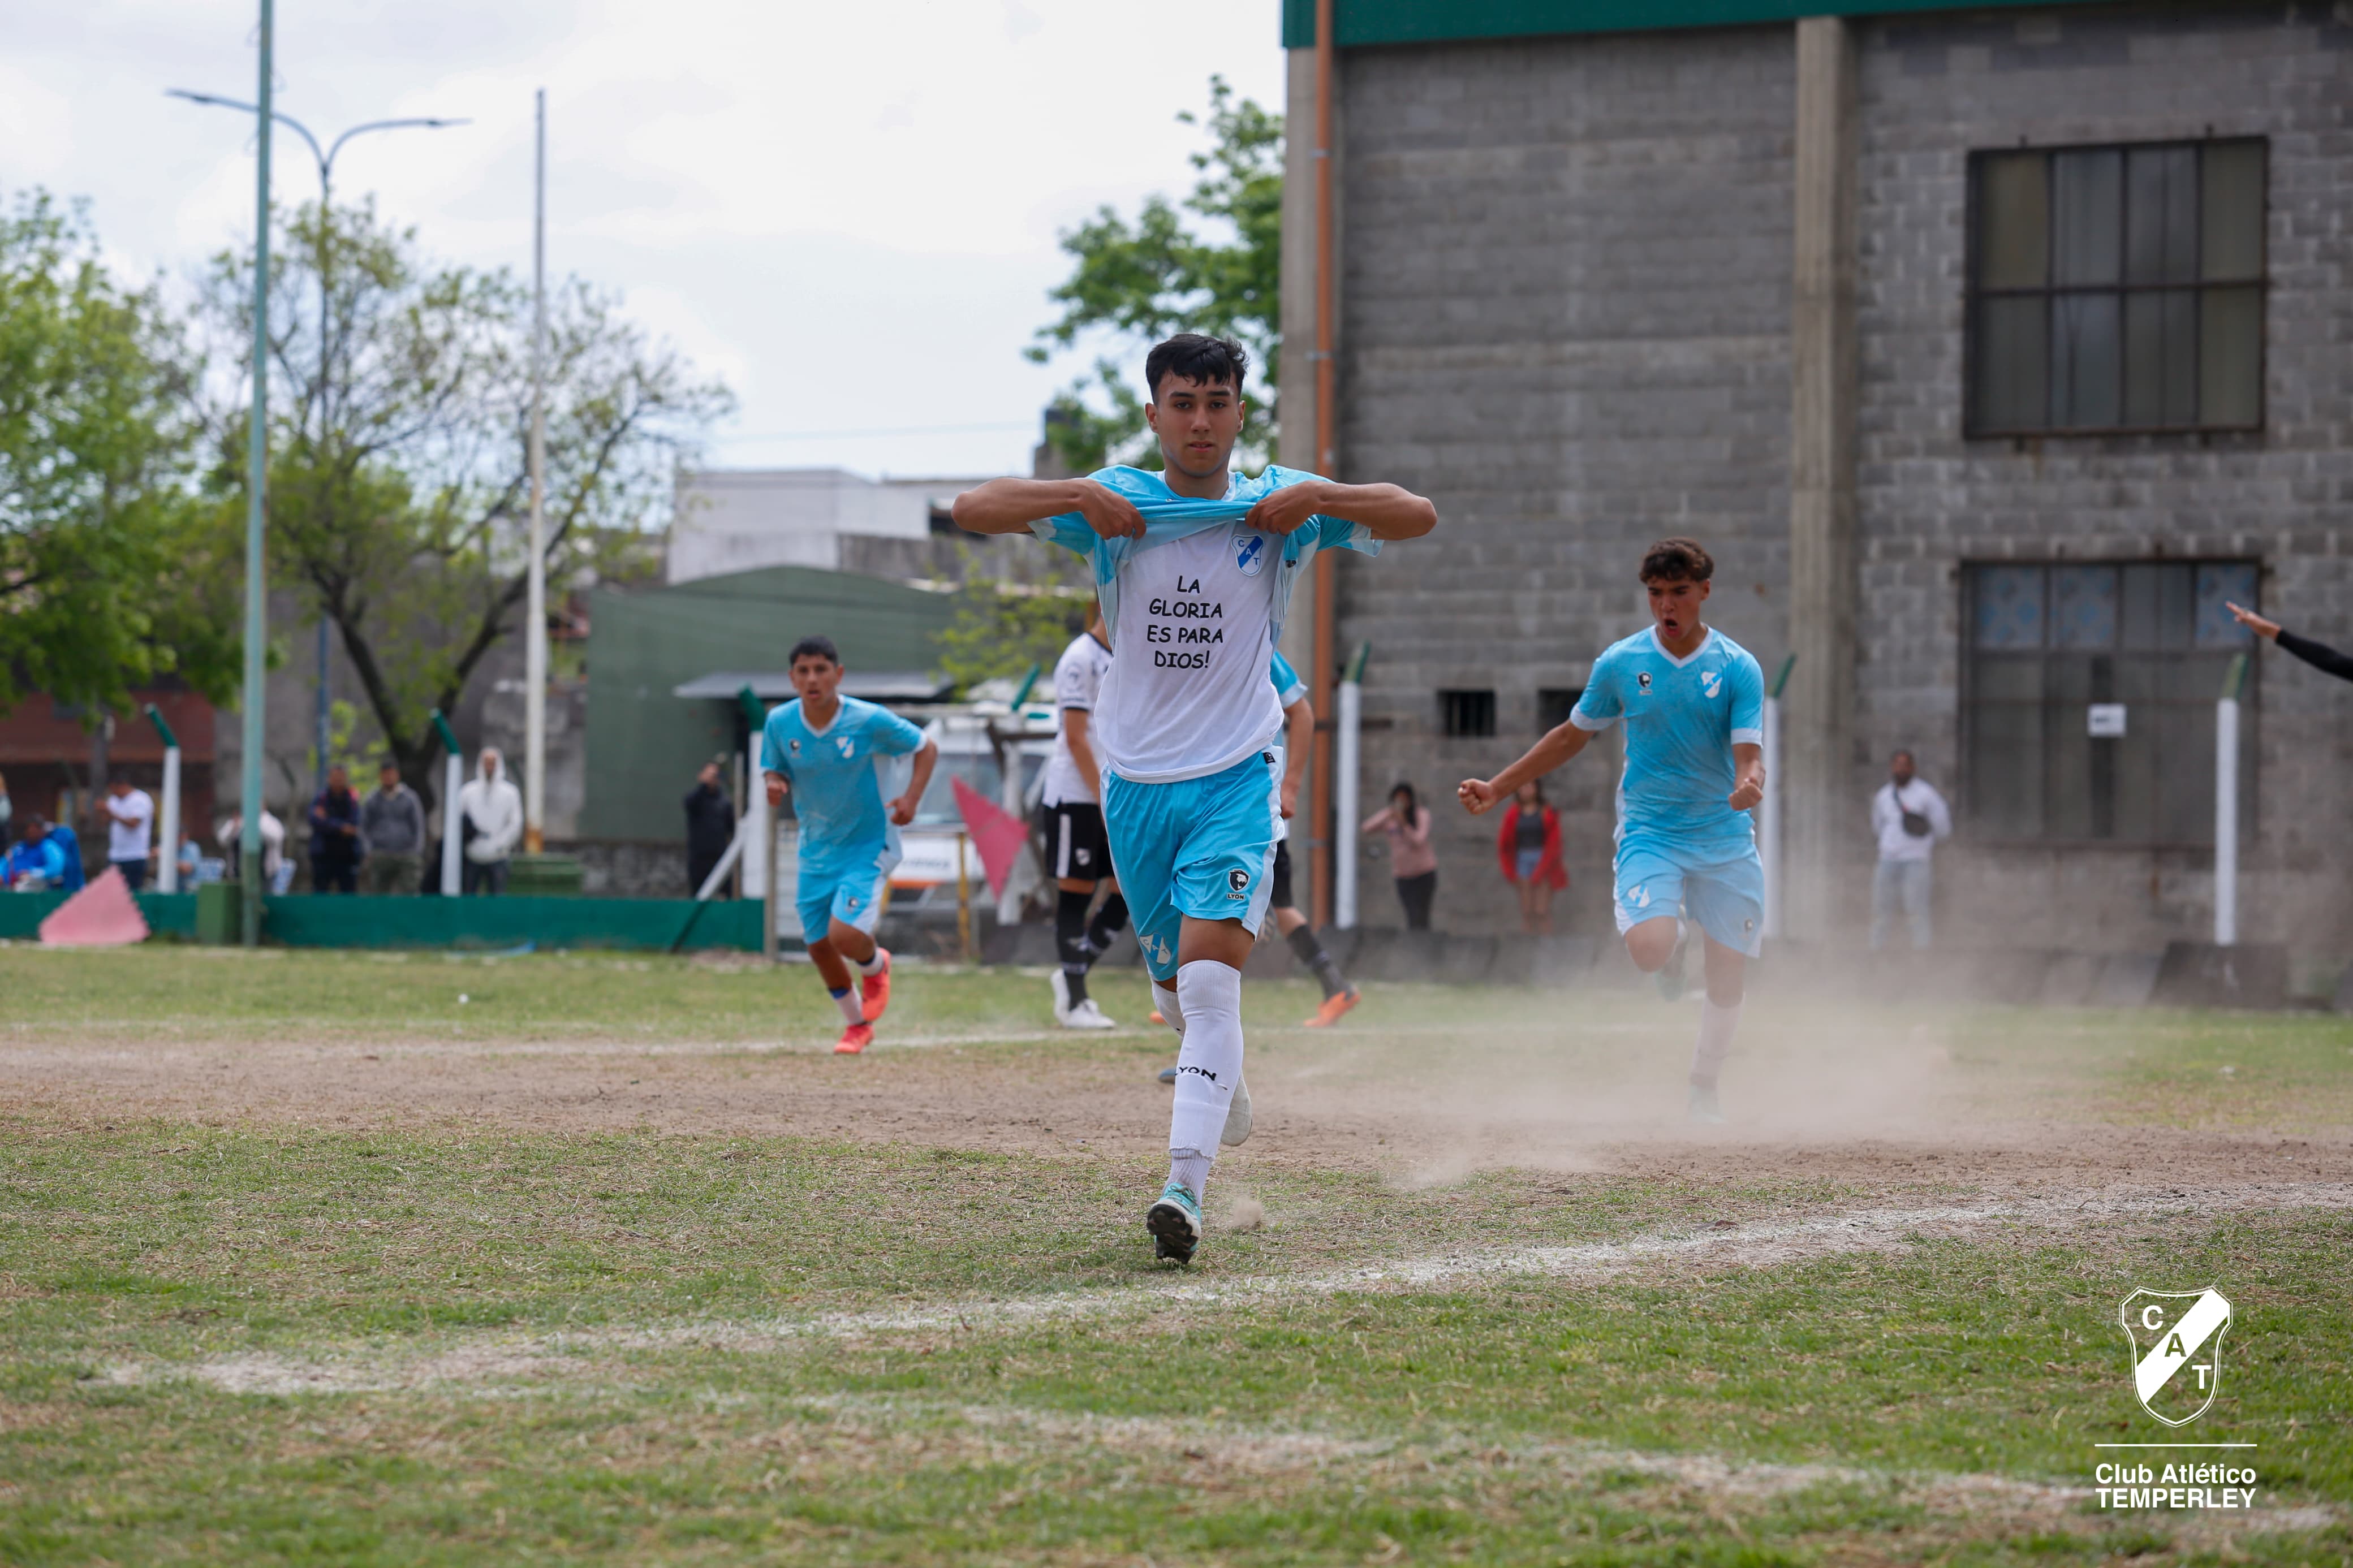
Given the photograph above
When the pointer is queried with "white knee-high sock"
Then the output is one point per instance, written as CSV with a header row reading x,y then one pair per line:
x,y
1715,1027
852,1006
873,964
1163,996
1209,1060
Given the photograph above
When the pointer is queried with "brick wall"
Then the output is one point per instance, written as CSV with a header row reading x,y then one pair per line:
x,y
1930,92
1565,314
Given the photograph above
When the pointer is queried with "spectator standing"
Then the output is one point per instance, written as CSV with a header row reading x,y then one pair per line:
x,y
1529,846
230,836
710,827
68,846
336,844
1908,818
489,810
6,811
1412,861
392,835
129,822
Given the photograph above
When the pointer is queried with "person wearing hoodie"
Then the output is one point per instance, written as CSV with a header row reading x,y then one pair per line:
x,y
491,809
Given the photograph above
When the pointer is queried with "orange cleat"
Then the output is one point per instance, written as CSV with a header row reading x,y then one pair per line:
x,y
1333,1006
874,990
854,1039
1156,1017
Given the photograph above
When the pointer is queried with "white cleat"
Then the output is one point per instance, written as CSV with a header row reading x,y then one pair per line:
x,y
1085,1016
1061,997
1238,1116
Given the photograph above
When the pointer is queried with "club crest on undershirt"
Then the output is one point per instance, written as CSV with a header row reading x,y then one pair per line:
x,y
1250,553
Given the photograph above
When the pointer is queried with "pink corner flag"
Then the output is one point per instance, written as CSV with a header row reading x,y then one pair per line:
x,y
103,914
996,832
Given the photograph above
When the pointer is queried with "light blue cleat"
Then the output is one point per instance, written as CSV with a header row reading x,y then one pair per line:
x,y
1174,1222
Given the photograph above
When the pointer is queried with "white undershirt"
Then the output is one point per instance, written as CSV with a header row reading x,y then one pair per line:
x,y
1187,693
1078,683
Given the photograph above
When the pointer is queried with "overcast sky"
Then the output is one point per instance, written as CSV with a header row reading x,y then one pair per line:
x,y
848,211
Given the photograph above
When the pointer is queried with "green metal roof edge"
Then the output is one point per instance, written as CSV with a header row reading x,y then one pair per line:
x,y
1363,22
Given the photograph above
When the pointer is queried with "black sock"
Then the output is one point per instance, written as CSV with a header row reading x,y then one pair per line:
x,y
1311,954
1110,921
1071,940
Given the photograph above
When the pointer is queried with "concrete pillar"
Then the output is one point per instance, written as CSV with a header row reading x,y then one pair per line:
x,y
1821,824
1296,368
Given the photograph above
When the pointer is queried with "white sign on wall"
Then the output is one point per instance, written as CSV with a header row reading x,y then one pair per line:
x,y
2106,722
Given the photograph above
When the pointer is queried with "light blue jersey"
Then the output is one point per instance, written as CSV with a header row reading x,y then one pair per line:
x,y
847,842
1682,717
1288,688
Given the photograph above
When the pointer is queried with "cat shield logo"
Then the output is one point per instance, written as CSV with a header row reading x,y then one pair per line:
x,y
1237,883
1250,553
2175,1340
1643,679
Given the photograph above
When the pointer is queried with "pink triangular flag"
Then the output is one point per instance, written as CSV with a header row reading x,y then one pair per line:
x,y
996,832
103,914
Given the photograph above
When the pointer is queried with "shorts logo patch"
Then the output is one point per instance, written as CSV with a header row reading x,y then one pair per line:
x,y
1643,679
1238,883
1250,553
850,899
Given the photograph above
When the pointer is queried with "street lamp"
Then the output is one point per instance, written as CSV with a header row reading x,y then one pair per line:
x,y
326,160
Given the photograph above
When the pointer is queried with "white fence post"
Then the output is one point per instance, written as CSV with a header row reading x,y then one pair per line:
x,y
1769,811
2226,805
1346,756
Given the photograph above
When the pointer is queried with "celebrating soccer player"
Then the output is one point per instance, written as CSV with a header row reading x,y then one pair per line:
x,y
1194,567
1693,704
831,752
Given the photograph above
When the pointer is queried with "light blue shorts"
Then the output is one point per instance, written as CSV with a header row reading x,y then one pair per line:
x,y
1202,848
1726,897
846,886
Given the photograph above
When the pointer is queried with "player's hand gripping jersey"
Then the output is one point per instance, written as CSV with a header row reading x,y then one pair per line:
x,y
1683,718
1194,608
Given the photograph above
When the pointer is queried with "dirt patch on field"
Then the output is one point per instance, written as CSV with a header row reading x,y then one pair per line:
x,y
1427,1107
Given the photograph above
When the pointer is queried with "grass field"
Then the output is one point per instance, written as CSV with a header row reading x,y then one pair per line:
x,y
342,1258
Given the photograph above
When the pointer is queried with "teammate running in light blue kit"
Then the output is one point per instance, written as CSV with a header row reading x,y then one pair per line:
x,y
1692,702
1193,566
832,753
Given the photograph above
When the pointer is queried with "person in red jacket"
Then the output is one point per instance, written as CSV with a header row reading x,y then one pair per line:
x,y
1529,848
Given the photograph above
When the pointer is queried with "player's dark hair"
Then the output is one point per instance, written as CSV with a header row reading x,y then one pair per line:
x,y
1677,560
1206,360
1412,801
813,647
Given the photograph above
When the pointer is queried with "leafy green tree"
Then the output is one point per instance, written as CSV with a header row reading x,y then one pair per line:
x,y
103,537
1142,279
399,489
1000,629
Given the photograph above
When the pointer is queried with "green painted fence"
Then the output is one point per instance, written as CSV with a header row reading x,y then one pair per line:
x,y
330,919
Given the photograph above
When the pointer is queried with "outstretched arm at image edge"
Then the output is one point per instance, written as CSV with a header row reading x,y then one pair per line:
x,y
1559,745
2319,655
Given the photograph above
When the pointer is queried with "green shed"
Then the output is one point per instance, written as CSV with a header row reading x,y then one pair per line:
x,y
644,742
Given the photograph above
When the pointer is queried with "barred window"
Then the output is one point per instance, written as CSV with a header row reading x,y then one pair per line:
x,y
2089,704
2116,288
1554,704
1466,714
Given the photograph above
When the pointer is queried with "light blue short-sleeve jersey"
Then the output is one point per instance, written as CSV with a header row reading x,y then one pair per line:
x,y
1683,718
1288,688
838,775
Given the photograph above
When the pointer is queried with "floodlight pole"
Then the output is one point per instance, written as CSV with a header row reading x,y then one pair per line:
x,y
2226,805
325,158
257,468
534,722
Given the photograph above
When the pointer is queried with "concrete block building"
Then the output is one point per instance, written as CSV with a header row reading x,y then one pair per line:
x,y
1990,350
